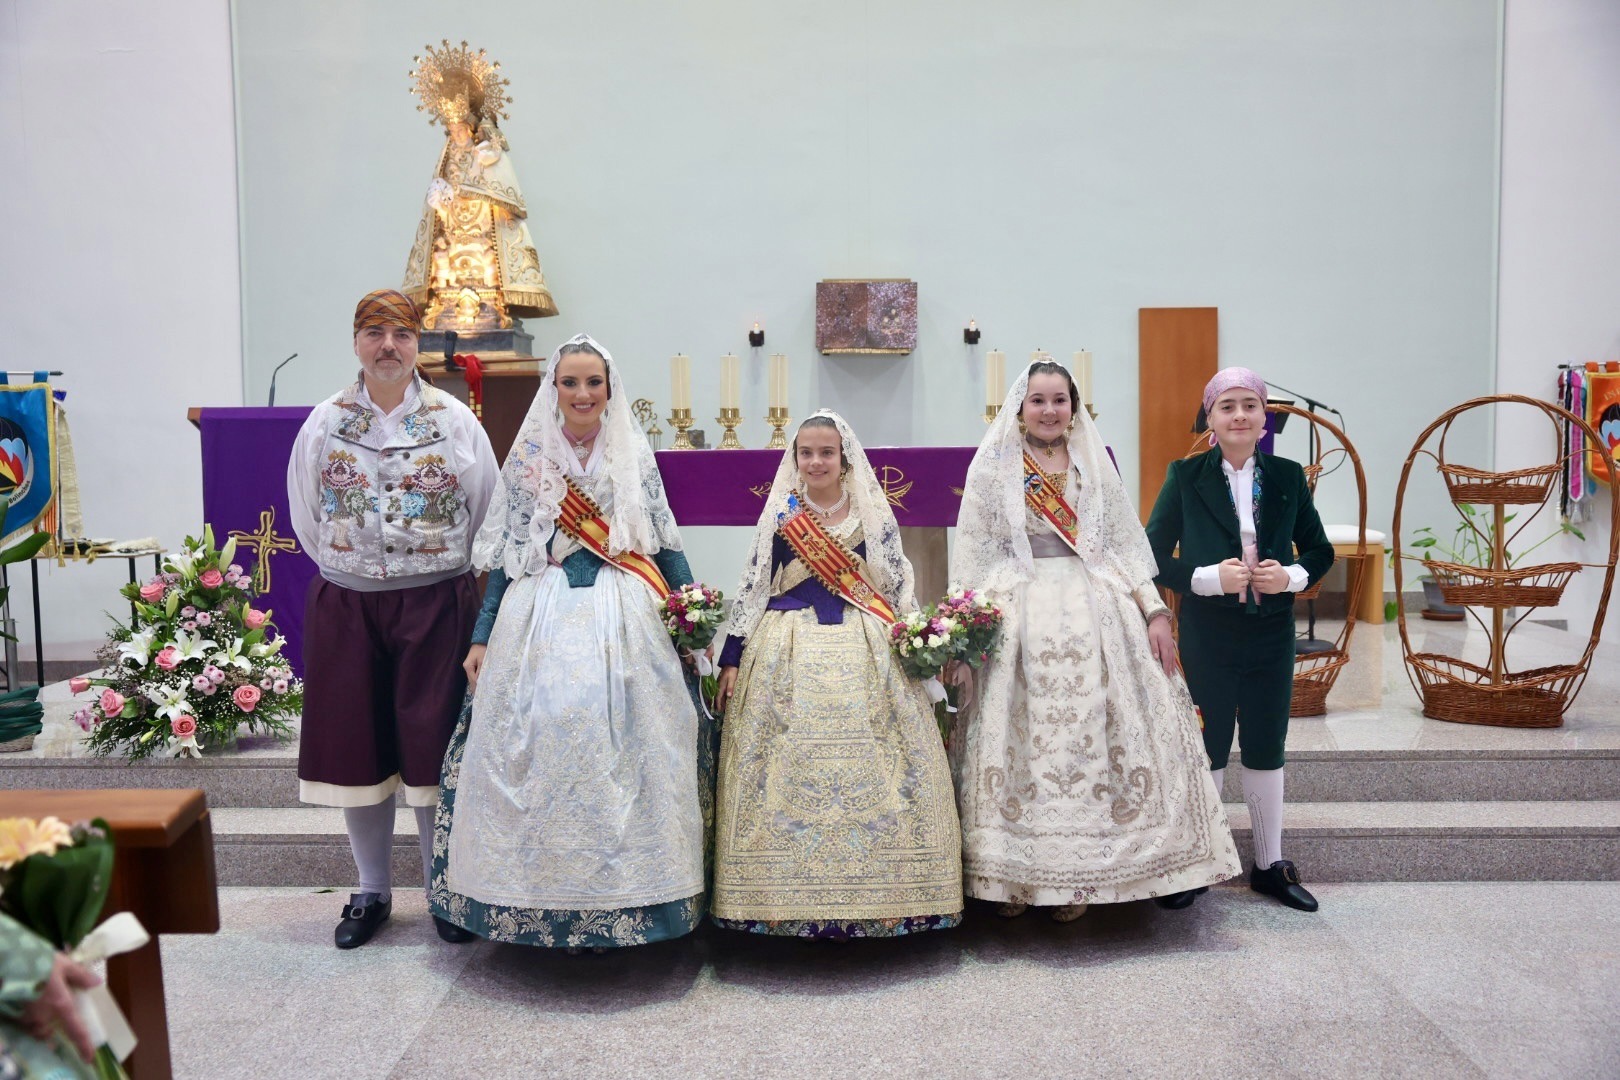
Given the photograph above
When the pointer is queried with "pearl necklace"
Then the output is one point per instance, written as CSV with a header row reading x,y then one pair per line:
x,y
827,511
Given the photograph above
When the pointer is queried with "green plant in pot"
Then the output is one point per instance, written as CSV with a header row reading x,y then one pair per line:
x,y
21,714
1472,543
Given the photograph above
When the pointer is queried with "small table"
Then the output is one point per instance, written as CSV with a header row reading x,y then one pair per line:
x,y
12,680
1367,586
163,872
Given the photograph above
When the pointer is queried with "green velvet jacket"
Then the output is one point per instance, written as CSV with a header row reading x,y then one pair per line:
x,y
1194,513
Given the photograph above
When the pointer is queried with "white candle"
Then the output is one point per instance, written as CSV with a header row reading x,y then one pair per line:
x,y
1082,374
995,382
680,379
779,381
730,382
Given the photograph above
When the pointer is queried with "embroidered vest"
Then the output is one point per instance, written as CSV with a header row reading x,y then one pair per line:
x,y
391,509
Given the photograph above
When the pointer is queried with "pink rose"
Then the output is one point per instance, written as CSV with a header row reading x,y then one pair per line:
x,y
168,659
152,591
183,725
211,579
78,684
112,702
253,618
246,697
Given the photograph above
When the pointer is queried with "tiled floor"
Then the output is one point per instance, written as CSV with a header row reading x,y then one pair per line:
x,y
1423,980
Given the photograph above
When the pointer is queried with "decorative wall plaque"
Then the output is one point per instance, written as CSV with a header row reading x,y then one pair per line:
x,y
866,316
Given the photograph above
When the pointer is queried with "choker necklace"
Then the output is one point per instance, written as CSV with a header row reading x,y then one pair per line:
x,y
828,511
581,451
1045,447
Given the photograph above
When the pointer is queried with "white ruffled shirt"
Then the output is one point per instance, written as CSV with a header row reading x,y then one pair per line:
x,y
1206,580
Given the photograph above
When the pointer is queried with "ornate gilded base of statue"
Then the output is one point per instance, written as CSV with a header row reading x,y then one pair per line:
x,y
729,419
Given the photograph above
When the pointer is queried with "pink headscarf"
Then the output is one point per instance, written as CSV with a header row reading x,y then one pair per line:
x,y
1230,379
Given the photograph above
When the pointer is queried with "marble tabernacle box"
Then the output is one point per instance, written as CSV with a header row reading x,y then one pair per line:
x,y
861,316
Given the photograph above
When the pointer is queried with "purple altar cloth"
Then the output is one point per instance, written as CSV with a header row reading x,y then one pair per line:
x,y
728,487
244,460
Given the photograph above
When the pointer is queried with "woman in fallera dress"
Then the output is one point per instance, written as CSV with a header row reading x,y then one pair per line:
x,y
1080,773
835,817
576,786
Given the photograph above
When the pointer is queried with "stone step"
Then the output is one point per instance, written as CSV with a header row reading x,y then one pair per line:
x,y
268,778
1330,842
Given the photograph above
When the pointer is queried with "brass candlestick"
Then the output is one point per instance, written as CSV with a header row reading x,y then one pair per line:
x,y
991,412
681,419
729,419
777,417
1091,411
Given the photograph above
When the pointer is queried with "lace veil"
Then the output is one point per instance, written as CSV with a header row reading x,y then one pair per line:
x,y
523,511
992,549
891,570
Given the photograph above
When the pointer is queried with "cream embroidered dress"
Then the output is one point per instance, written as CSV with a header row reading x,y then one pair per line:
x,y
835,815
1080,771
571,811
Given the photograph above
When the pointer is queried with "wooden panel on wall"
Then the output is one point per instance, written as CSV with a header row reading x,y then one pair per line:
x,y
1178,350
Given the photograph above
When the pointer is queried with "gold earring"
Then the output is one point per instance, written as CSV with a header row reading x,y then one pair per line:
x,y
1022,430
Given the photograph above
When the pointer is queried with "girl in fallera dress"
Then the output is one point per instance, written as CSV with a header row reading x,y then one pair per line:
x,y
835,816
577,784
1238,517
1080,773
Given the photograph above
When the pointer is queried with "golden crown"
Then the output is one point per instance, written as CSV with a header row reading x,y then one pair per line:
x,y
457,85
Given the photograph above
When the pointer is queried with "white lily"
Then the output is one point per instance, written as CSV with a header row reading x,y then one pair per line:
x,y
192,647
231,656
184,562
139,647
185,746
170,700
267,648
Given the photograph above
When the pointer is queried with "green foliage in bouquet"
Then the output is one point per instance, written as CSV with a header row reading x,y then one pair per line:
x,y
54,878
196,663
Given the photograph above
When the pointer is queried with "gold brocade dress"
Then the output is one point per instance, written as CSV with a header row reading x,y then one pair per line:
x,y
835,816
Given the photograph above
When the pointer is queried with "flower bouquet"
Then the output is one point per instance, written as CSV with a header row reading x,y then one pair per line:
x,y
964,626
978,621
54,881
692,614
197,662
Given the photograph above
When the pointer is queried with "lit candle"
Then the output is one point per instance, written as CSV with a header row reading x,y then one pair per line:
x,y
1082,374
779,380
730,382
995,382
680,379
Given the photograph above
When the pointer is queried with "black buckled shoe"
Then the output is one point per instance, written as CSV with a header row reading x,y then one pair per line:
x,y
1178,900
452,933
1281,880
361,916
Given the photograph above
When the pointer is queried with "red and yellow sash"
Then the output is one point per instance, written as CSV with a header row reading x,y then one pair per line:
x,y
833,564
580,519
1046,499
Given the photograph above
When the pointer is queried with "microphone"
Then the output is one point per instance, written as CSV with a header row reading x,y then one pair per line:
x,y
273,375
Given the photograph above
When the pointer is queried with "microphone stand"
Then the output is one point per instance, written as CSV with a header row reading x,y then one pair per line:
x,y
271,403
1310,643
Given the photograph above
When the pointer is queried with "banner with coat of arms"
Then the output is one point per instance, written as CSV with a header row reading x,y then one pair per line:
x,y
27,457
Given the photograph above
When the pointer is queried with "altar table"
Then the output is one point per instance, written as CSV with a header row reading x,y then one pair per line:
x,y
163,872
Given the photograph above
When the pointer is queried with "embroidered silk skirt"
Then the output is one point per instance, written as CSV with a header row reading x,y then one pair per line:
x,y
571,811
835,817
1080,770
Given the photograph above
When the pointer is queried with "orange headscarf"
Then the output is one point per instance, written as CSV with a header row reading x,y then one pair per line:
x,y
386,307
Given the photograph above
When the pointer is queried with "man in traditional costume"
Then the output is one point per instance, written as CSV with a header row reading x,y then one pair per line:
x,y
389,616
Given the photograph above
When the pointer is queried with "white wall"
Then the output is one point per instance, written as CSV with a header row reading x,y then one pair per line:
x,y
1324,173
121,262
1560,236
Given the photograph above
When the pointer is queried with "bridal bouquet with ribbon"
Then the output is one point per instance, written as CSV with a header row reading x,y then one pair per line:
x,y
54,880
196,663
692,614
964,626
977,622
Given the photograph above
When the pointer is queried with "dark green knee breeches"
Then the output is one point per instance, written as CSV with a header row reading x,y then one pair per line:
x,y
1240,669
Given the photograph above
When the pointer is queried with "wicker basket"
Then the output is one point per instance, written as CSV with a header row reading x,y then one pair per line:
x,y
1518,488
1529,586
1314,675
1463,693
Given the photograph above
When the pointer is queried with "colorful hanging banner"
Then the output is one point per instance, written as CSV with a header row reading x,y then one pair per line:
x,y
27,455
1603,413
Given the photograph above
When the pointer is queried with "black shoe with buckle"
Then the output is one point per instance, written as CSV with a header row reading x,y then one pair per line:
x,y
1177,900
1281,880
452,933
361,916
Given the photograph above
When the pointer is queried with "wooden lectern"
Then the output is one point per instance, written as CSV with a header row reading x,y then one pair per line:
x,y
163,872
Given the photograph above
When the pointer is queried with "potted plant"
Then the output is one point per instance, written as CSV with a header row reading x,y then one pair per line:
x,y
1472,543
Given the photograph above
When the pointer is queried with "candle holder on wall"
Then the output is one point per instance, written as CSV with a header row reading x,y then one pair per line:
x,y
729,419
756,336
777,417
681,419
